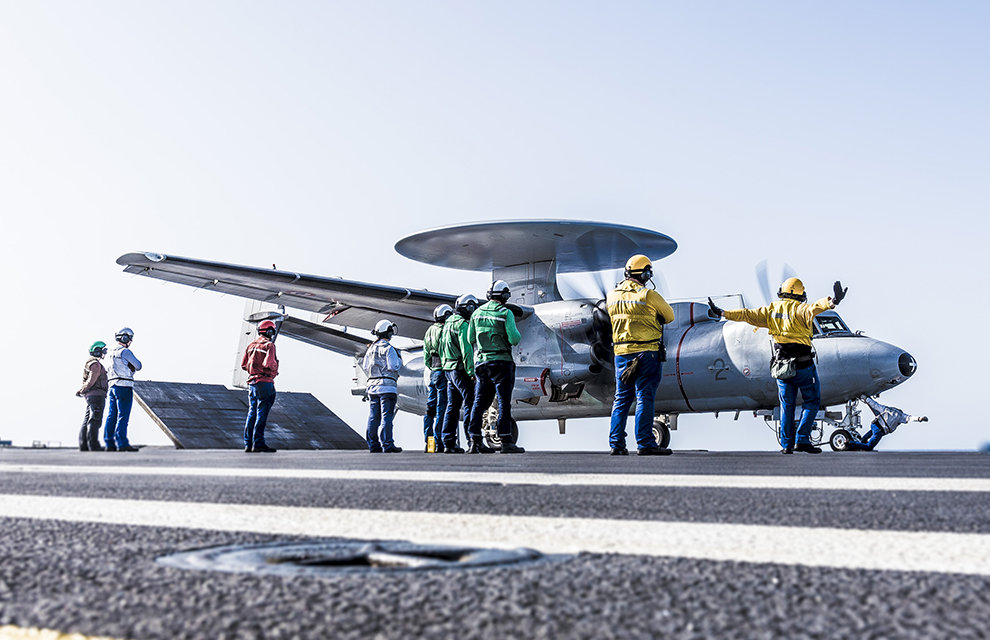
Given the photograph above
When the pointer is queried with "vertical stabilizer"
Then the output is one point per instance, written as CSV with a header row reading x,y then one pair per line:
x,y
253,310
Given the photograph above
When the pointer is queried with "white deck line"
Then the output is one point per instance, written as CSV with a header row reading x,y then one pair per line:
x,y
961,553
831,483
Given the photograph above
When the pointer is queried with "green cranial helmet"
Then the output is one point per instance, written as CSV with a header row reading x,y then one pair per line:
x,y
98,349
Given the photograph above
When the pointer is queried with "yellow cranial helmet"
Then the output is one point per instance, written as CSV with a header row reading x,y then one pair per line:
x,y
638,263
639,268
792,288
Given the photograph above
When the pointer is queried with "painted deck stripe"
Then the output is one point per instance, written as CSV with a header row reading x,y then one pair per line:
x,y
962,553
805,483
9,632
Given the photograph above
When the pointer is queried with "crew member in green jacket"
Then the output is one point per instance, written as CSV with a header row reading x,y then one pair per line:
x,y
492,331
457,361
436,380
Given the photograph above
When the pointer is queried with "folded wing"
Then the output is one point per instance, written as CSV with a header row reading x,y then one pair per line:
x,y
344,302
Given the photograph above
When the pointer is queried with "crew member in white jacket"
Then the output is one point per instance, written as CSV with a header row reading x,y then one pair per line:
x,y
381,364
886,422
123,364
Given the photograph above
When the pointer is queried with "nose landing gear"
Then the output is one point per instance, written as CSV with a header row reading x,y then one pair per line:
x,y
846,426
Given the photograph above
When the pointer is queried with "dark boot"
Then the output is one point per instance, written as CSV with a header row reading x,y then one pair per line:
x,y
807,447
510,447
478,446
654,451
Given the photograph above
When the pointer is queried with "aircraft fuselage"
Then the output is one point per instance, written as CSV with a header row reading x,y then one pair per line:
x,y
562,372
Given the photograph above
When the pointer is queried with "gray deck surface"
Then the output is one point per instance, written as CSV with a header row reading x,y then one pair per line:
x,y
102,579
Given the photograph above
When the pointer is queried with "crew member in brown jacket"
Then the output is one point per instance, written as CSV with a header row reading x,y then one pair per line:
x,y
262,366
94,389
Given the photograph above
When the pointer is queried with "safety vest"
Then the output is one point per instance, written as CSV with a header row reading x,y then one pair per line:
x,y
123,364
431,347
382,363
455,350
638,315
788,321
492,331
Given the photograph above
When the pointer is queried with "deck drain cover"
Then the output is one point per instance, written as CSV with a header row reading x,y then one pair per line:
x,y
323,557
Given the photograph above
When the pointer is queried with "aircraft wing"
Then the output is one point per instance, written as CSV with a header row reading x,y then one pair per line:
x,y
345,302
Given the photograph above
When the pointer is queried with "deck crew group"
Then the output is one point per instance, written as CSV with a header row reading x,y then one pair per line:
x,y
467,353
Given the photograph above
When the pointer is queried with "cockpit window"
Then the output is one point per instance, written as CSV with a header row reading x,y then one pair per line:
x,y
830,323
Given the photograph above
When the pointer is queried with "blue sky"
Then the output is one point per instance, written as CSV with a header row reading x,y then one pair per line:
x,y
846,139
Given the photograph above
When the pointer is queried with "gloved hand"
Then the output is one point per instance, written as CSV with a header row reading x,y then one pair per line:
x,y
923,419
713,311
838,293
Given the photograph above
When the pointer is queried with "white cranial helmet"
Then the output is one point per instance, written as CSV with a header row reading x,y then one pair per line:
x,y
383,327
499,291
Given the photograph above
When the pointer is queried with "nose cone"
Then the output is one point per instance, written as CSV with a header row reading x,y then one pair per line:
x,y
907,365
890,365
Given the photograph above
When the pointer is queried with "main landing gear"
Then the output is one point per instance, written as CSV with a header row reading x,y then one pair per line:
x,y
662,426
489,428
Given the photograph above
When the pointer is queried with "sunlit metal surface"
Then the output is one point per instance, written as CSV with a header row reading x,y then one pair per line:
x,y
573,246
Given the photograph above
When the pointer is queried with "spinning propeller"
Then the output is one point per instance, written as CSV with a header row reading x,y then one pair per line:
x,y
768,290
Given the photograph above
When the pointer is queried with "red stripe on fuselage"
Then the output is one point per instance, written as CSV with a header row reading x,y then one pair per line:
x,y
677,364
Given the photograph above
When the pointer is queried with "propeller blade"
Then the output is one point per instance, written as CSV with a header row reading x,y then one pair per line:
x,y
763,279
787,272
661,283
600,282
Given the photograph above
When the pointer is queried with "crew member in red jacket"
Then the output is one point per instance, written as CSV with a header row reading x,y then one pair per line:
x,y
262,366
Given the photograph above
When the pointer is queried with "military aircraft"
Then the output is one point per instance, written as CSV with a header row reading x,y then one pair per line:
x,y
564,361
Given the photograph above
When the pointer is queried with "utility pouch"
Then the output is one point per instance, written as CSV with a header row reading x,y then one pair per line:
x,y
783,368
629,374
663,352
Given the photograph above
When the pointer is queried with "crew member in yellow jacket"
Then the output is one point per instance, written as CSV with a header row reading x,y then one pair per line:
x,y
789,321
638,315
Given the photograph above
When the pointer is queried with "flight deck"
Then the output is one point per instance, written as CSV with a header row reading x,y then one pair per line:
x,y
694,545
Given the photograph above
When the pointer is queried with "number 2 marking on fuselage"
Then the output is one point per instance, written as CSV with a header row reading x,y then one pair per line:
x,y
719,368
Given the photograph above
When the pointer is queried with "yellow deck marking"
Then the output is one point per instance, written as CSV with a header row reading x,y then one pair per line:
x,y
30,633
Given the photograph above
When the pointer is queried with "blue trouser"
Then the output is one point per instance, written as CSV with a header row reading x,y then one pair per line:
x,y
643,391
382,412
869,441
118,415
436,405
261,397
460,392
493,379
805,380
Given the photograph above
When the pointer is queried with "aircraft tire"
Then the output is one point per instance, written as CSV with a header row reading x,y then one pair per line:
x,y
661,432
839,439
492,439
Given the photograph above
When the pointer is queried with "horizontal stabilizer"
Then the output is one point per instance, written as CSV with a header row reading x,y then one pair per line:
x,y
320,335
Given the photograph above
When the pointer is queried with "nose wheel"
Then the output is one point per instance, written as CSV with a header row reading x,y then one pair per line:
x,y
661,433
840,438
